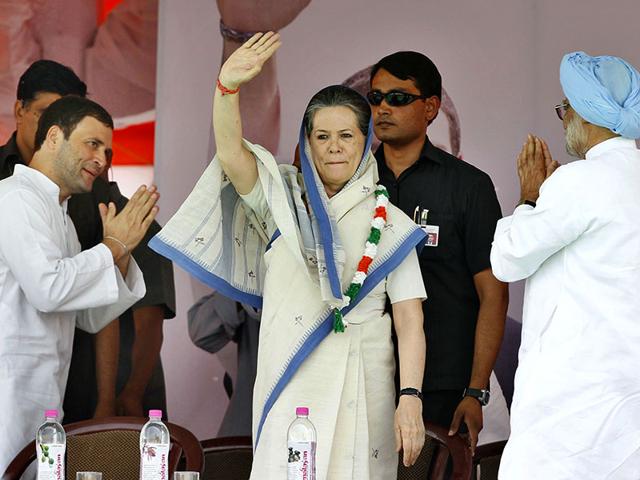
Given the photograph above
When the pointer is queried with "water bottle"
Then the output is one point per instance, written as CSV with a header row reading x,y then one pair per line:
x,y
154,448
51,444
301,443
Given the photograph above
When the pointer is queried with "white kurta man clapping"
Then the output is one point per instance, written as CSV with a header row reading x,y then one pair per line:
x,y
47,285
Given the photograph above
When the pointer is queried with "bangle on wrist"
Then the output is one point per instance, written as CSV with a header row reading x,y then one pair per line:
x,y
414,392
224,90
531,203
122,244
234,35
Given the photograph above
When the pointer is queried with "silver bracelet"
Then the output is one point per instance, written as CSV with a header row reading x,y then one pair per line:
x,y
124,247
234,35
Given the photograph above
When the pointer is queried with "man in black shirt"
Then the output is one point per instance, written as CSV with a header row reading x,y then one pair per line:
x,y
99,370
457,206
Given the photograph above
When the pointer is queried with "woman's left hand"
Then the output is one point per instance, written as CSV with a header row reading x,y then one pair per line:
x,y
409,428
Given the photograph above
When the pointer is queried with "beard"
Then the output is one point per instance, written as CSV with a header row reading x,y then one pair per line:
x,y
68,168
576,138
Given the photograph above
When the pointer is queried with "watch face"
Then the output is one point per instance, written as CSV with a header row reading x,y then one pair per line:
x,y
481,395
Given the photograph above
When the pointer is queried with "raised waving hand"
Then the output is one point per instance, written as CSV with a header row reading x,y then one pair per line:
x,y
242,65
247,61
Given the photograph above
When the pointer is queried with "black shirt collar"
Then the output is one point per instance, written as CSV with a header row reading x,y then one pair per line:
x,y
10,155
428,153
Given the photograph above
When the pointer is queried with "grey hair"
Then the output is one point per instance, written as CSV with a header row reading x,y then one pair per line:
x,y
576,137
338,96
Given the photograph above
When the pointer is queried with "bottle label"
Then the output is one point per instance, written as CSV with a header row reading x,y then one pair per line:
x,y
154,461
301,461
50,461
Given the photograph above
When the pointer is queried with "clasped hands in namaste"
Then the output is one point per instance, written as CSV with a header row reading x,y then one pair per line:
x,y
534,165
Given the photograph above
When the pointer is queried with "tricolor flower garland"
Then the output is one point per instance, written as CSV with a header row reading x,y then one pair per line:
x,y
370,251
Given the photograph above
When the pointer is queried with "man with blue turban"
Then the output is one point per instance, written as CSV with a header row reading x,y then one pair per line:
x,y
575,237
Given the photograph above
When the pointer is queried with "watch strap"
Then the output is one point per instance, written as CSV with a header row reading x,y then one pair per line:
x,y
414,392
481,395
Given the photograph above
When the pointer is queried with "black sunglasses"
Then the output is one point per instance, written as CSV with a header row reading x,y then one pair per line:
x,y
393,98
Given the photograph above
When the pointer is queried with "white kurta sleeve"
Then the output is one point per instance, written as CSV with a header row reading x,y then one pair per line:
x,y
405,282
130,290
524,240
51,282
257,202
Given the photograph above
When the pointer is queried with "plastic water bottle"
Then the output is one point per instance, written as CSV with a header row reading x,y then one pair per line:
x,y
154,448
51,444
301,443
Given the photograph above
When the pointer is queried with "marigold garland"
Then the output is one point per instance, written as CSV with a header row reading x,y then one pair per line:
x,y
370,251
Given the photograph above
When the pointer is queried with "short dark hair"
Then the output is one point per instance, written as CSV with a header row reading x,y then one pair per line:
x,y
67,112
414,66
338,96
50,77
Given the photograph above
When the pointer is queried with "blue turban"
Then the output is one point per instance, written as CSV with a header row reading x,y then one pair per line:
x,y
604,91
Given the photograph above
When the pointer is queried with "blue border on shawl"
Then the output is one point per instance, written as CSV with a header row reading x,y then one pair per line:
x,y
414,240
324,222
322,215
208,278
274,237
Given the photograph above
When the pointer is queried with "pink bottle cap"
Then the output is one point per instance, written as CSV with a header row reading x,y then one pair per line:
x,y
51,414
302,411
155,413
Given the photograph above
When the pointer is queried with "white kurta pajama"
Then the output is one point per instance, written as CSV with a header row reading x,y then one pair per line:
x,y
46,287
576,405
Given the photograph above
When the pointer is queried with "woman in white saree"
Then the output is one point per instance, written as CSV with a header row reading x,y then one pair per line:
x,y
295,244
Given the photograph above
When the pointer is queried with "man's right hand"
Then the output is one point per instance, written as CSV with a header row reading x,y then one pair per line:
x,y
535,165
130,225
259,15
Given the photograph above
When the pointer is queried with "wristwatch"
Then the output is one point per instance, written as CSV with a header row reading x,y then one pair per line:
x,y
481,395
414,392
